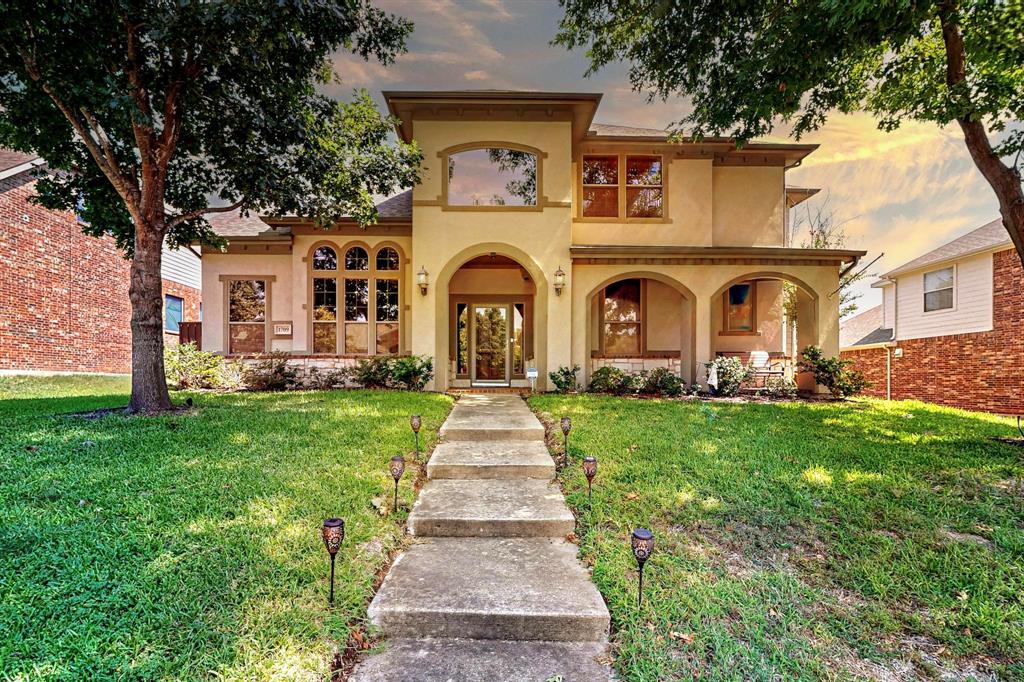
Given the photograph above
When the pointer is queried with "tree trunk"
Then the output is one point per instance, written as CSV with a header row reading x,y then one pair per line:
x,y
149,385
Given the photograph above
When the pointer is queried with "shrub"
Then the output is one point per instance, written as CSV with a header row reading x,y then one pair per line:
x,y
731,374
373,372
271,373
564,378
325,380
833,373
187,367
412,372
606,380
778,386
663,382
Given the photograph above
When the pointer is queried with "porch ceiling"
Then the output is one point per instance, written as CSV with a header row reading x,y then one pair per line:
x,y
607,253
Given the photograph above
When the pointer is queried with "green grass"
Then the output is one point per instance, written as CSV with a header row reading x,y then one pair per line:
x,y
187,546
800,540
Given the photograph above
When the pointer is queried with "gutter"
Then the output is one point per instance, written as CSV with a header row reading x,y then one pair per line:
x,y
21,168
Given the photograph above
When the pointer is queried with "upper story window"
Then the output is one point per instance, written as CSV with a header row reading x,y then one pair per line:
x,y
495,176
938,289
623,187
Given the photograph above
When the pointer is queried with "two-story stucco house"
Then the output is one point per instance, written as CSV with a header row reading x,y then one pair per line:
x,y
950,329
536,239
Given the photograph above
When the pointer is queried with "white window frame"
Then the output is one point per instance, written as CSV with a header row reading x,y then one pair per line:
x,y
925,291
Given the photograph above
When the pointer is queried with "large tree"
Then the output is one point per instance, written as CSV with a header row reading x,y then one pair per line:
x,y
743,65
144,109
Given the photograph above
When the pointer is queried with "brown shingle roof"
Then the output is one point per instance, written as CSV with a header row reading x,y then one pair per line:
x,y
864,328
398,206
10,158
985,237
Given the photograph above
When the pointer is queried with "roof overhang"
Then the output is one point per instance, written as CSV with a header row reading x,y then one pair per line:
x,y
494,105
798,195
942,262
721,150
760,254
21,168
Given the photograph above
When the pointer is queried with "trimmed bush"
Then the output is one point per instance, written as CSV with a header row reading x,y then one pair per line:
x,y
663,382
659,381
271,373
187,367
412,372
731,375
833,373
326,379
564,378
606,380
781,387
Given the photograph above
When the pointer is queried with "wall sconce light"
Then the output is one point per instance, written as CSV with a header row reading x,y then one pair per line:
x,y
423,279
333,533
559,280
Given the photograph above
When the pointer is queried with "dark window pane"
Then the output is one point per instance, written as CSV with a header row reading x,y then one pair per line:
x,y
622,301
600,170
172,313
387,300
325,299
643,170
462,338
740,308
492,177
622,339
357,300
387,338
356,259
387,259
247,300
938,300
518,337
643,203
600,202
325,337
324,258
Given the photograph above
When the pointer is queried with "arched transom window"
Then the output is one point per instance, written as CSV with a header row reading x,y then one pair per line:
x,y
356,307
493,176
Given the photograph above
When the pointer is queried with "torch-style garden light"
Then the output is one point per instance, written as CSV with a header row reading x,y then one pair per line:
x,y
333,533
643,546
566,425
397,469
590,470
416,422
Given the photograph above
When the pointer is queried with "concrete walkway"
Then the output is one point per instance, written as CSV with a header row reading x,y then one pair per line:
x,y
490,591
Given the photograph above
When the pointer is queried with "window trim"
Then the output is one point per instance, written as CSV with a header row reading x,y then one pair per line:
x,y
925,291
753,331
371,275
442,198
180,300
642,322
623,187
268,281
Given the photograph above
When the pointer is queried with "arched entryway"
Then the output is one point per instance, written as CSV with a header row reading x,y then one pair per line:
x,y
641,321
493,319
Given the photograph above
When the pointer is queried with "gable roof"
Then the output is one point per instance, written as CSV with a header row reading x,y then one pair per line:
x,y
864,328
988,236
14,163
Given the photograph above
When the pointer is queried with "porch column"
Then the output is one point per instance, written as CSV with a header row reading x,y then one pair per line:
x,y
702,351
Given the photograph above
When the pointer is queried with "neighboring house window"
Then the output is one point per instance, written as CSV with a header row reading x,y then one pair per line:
x,y
247,315
740,302
494,176
365,328
173,308
938,289
622,318
641,196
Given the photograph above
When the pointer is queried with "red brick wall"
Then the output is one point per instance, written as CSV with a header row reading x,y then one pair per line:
x,y
189,308
63,295
981,371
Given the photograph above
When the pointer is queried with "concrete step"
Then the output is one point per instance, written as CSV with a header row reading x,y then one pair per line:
x,y
475,660
491,417
490,588
491,459
525,507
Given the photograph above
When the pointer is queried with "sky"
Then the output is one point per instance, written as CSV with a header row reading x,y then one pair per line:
x,y
901,193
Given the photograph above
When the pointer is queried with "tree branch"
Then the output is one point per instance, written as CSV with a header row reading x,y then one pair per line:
x,y
191,215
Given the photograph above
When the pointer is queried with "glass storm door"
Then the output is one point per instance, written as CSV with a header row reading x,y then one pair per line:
x,y
490,344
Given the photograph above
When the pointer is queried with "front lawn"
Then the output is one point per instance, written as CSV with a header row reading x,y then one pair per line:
x,y
187,546
795,540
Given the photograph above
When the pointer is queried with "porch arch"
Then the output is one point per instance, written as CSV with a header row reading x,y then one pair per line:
x,y
442,364
687,352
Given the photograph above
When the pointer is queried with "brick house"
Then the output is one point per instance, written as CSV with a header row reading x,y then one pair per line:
x,y
949,330
64,295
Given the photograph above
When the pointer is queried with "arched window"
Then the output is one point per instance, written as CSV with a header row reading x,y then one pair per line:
x,y
369,319
494,176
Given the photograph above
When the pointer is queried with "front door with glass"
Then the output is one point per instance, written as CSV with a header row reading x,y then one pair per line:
x,y
490,341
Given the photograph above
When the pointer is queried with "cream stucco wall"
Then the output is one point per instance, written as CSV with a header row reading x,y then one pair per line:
x,y
749,206
214,292
768,319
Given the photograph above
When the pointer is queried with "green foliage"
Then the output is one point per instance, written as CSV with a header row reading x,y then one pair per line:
x,y
195,535
271,372
833,373
409,373
326,379
780,387
187,367
659,381
564,378
775,520
607,380
732,374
